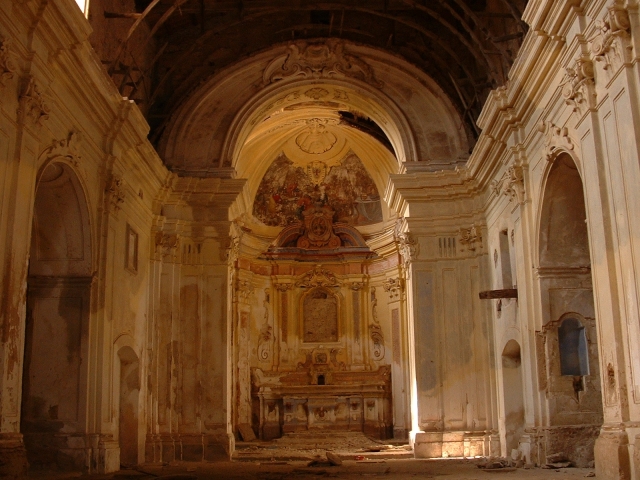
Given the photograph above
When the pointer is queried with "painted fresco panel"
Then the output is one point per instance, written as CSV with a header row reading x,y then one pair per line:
x,y
287,190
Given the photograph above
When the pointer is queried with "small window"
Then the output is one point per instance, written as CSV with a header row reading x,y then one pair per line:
x,y
83,6
574,354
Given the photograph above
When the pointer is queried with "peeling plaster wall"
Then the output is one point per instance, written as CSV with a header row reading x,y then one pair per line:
x,y
83,299
166,286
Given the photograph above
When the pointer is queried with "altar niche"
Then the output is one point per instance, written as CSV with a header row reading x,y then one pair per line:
x,y
320,316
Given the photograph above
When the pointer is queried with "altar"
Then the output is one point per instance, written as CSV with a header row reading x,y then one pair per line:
x,y
347,401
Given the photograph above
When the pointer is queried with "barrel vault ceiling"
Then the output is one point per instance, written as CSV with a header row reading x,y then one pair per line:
x,y
158,51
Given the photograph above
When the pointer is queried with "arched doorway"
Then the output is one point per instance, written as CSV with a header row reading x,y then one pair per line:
x,y
56,340
571,375
128,419
513,394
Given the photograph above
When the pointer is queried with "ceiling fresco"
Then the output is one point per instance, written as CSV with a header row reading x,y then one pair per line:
x,y
288,189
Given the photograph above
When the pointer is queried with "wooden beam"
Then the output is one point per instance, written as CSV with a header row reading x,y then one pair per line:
x,y
492,294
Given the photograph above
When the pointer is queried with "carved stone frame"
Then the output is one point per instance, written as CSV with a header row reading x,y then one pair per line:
x,y
339,312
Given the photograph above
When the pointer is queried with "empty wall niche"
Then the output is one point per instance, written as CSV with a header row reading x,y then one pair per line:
x,y
574,354
505,260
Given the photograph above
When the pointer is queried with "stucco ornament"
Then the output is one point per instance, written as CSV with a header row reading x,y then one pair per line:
x,y
32,104
375,330
511,184
244,289
67,147
317,277
115,192
264,341
7,67
167,243
611,45
319,60
394,287
315,139
556,139
408,247
318,229
578,88
471,238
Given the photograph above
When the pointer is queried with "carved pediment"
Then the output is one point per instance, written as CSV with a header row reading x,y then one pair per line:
x,y
318,235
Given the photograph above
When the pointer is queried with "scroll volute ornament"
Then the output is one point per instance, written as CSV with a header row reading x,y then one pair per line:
x,y
611,45
578,88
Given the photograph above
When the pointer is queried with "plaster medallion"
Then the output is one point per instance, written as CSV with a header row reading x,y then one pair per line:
x,y
316,139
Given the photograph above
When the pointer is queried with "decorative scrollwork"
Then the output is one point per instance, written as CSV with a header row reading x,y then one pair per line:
x,y
394,287
8,69
408,247
264,341
556,139
326,59
317,277
611,45
115,192
511,184
578,87
471,238
32,103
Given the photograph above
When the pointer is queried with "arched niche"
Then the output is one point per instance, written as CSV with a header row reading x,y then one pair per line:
x,y
512,394
57,324
568,352
129,406
61,239
572,345
320,316
563,240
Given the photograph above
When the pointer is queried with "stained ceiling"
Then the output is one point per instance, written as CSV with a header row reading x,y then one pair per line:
x,y
159,51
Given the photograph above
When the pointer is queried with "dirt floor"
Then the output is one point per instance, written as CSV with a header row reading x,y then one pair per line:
x,y
451,469
305,457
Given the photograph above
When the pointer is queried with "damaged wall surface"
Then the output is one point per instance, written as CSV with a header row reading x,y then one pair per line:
x,y
319,232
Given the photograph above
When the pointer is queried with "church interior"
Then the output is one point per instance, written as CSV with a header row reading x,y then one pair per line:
x,y
405,219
